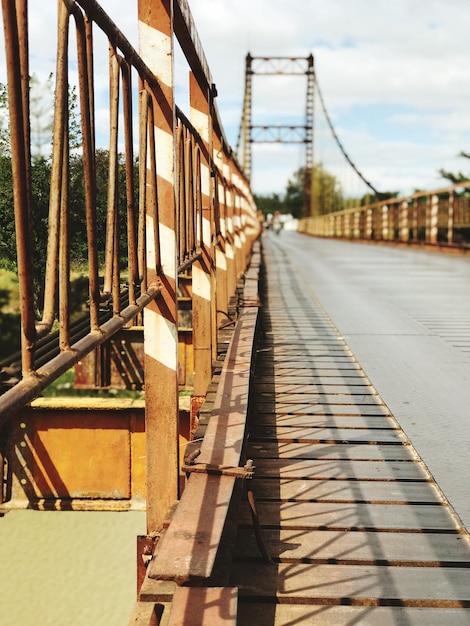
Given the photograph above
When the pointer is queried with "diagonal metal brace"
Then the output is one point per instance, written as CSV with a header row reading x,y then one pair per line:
x,y
221,470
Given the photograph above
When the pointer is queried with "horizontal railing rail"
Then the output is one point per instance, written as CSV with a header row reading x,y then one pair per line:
x,y
439,217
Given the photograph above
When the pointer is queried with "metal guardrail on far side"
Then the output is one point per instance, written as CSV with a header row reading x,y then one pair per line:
x,y
440,217
188,208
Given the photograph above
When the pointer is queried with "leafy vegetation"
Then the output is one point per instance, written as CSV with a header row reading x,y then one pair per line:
x,y
64,386
458,177
9,313
326,195
292,202
41,96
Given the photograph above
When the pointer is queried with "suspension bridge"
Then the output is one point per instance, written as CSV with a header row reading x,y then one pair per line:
x,y
297,436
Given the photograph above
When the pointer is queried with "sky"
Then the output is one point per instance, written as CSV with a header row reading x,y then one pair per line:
x,y
395,78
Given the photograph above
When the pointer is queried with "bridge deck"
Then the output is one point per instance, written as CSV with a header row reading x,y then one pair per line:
x,y
350,513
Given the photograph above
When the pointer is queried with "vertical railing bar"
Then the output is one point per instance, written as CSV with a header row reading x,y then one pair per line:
x,y
143,132
111,216
180,187
59,139
16,29
188,194
85,89
152,198
197,214
191,228
129,157
90,65
23,33
64,249
200,229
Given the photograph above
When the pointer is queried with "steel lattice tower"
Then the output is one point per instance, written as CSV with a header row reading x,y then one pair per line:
x,y
268,133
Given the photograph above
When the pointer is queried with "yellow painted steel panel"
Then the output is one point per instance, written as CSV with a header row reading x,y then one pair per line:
x,y
89,458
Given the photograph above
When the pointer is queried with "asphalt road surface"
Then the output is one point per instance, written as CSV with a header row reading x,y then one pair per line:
x,y
405,315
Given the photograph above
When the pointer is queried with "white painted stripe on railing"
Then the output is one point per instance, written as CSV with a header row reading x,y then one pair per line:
x,y
168,247
160,344
229,251
164,141
206,230
156,44
217,157
200,122
205,180
220,260
201,283
150,243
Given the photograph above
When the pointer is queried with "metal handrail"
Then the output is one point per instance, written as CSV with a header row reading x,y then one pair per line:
x,y
143,236
430,217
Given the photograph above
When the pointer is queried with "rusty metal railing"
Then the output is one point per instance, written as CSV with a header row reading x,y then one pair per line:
x,y
439,217
204,203
189,146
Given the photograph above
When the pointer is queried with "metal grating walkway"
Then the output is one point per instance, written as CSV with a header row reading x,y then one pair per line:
x,y
357,530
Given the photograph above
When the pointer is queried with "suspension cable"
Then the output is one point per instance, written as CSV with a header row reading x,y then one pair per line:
x,y
340,145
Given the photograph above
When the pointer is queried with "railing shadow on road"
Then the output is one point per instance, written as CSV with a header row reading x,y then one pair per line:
x,y
333,470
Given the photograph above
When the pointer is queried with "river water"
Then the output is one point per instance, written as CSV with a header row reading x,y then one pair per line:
x,y
68,568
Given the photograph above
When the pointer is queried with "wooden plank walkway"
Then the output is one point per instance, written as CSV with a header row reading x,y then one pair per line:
x,y
356,529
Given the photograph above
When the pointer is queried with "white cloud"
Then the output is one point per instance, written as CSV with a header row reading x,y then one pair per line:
x,y
407,60
405,54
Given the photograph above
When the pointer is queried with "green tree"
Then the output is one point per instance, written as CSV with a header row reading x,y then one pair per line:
x,y
458,177
326,195
77,203
41,100
9,326
41,117
294,198
4,124
270,204
40,184
371,198
7,216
